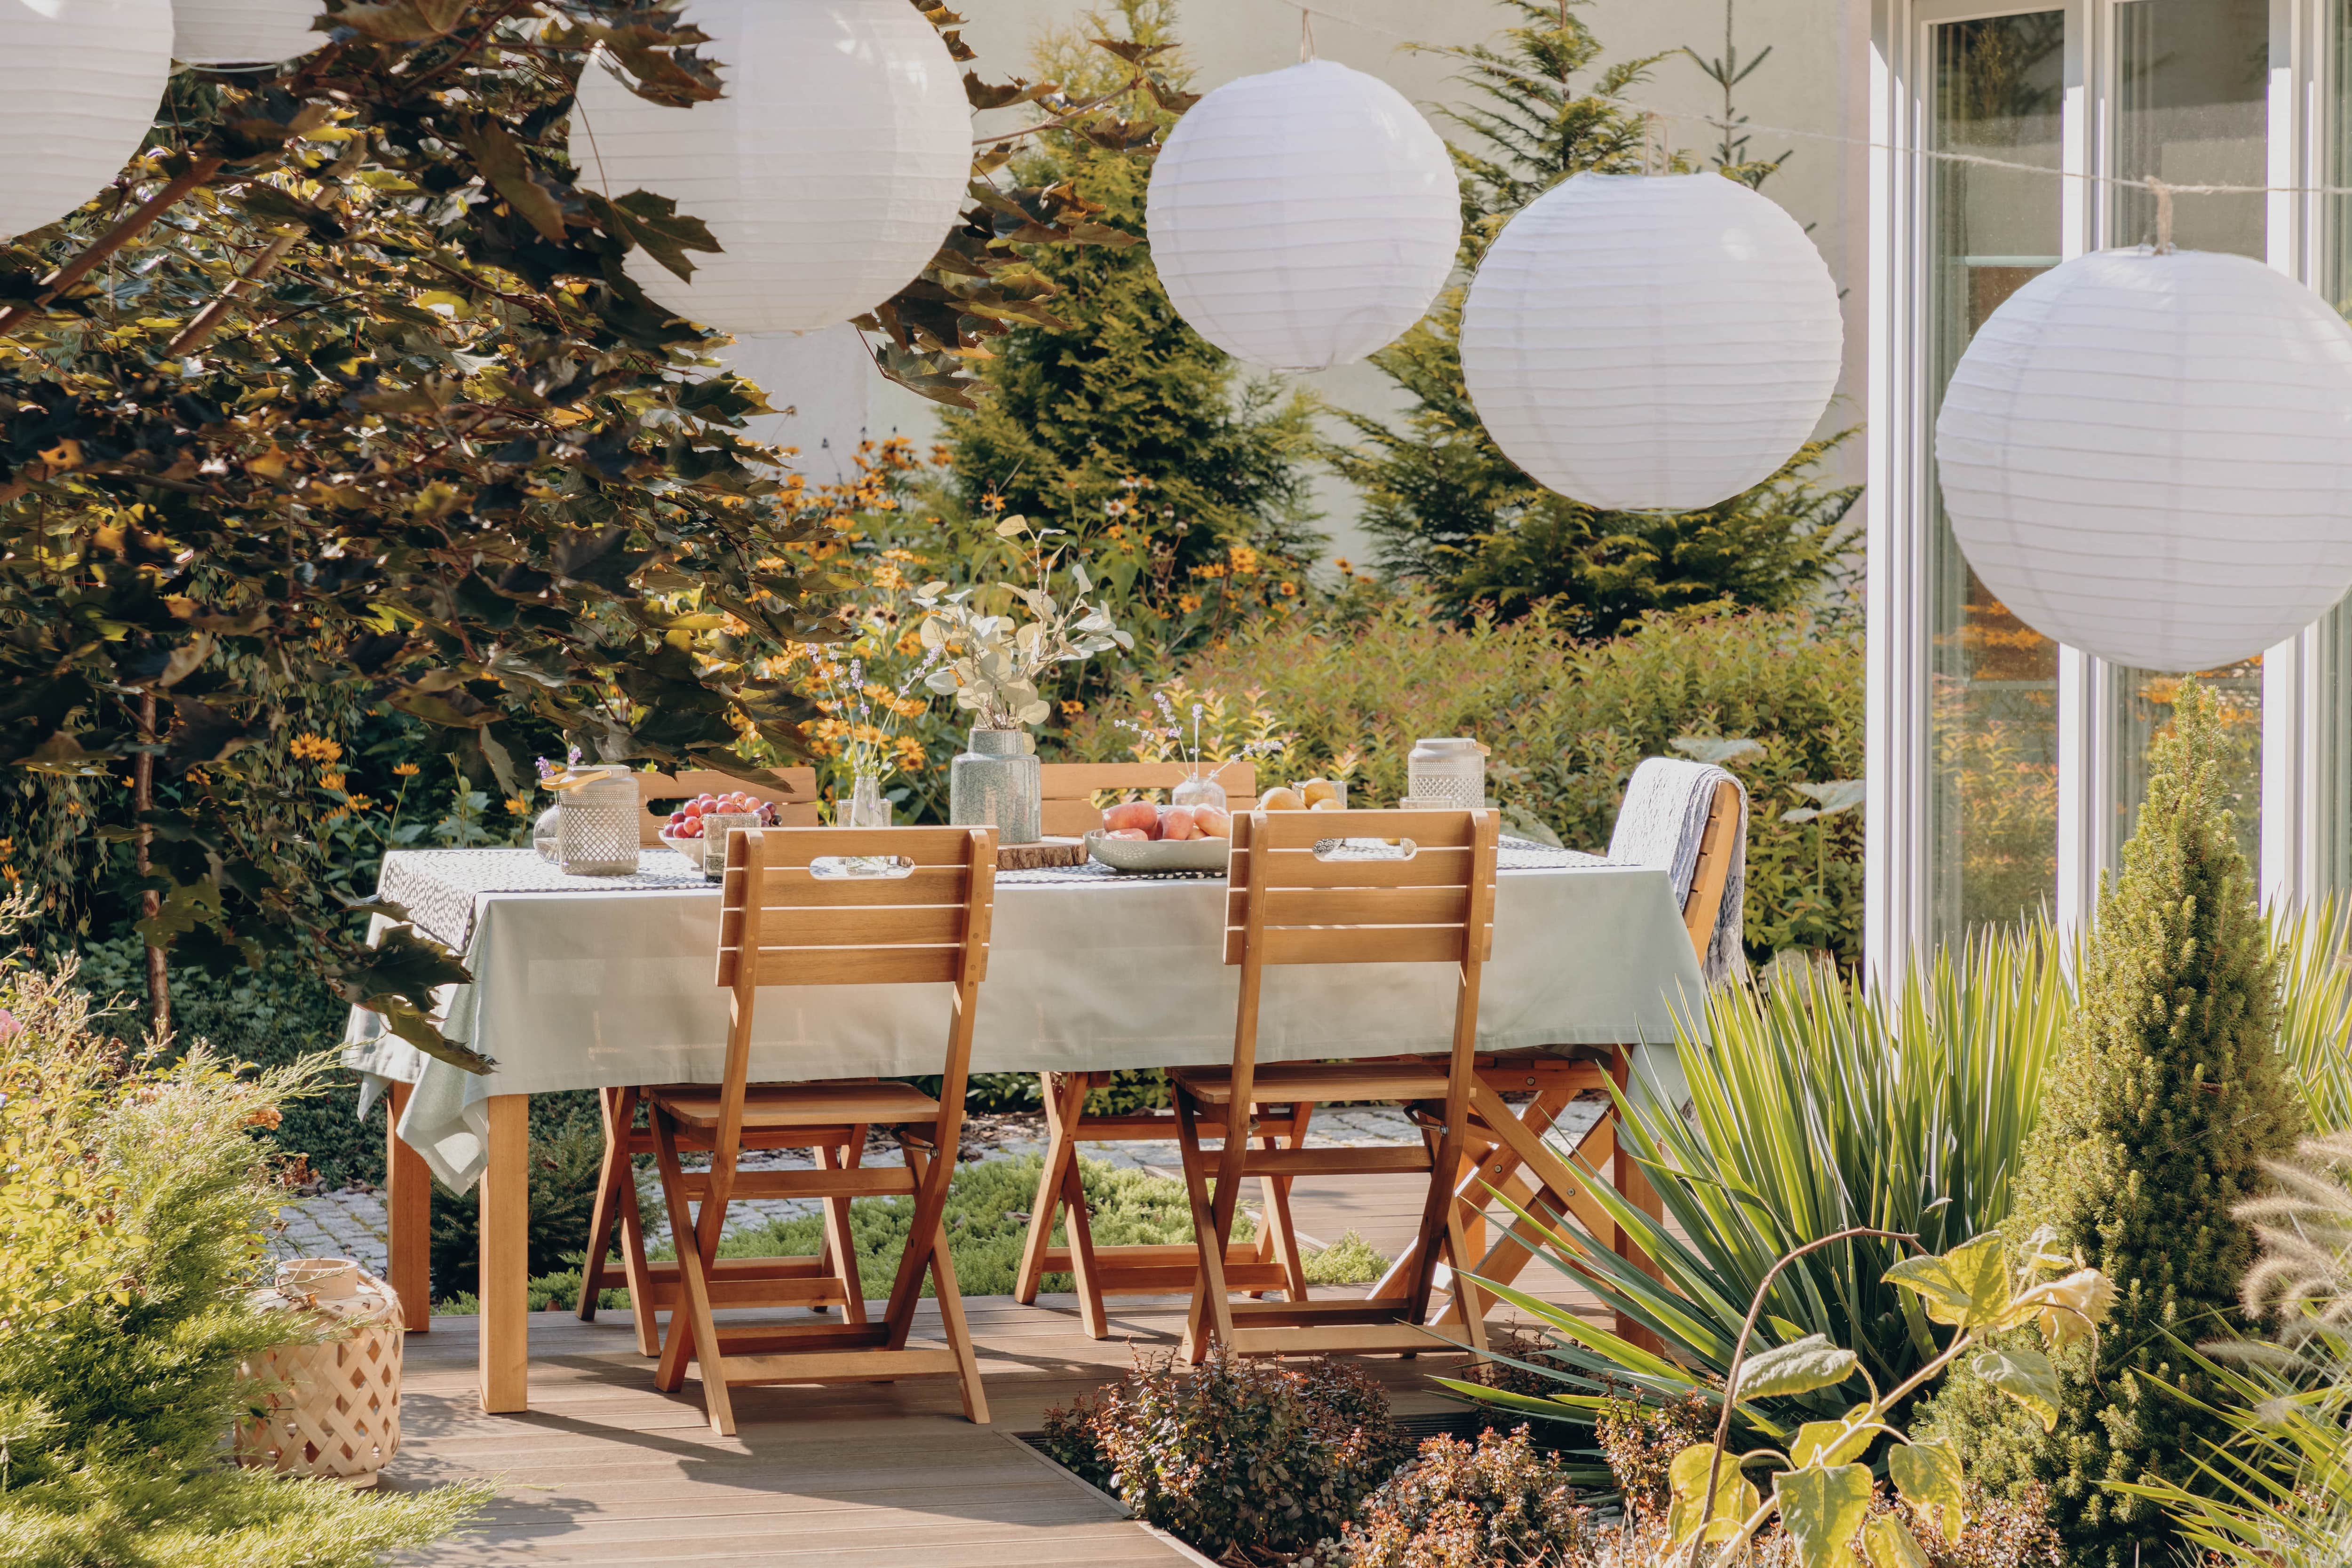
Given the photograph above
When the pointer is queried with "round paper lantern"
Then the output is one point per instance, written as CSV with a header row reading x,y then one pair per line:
x,y
79,84
2148,456
830,173
825,382
241,32
1303,218
1651,343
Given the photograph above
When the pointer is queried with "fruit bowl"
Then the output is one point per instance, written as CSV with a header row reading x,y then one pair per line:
x,y
1159,854
690,848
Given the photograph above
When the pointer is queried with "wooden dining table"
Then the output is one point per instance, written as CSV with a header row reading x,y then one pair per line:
x,y
597,983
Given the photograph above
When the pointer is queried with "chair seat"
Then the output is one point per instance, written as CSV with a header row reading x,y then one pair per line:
x,y
1322,1082
778,1105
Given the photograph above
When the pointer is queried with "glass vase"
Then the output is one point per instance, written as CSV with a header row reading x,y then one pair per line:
x,y
1199,790
868,809
996,784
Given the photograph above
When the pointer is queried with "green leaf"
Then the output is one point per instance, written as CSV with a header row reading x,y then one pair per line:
x,y
1811,1363
1889,1543
1966,1287
1929,1475
1735,1495
1833,1442
1822,1507
2025,1376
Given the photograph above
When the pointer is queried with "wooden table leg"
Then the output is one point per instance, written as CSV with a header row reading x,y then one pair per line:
x,y
1630,1180
408,1219
506,1258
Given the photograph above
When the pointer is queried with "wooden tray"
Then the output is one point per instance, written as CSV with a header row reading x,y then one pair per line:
x,y
1046,851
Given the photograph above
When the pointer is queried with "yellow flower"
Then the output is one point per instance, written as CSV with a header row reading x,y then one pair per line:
x,y
309,748
360,803
330,779
1290,590
516,804
1188,602
1073,707
992,502
910,642
403,770
1244,560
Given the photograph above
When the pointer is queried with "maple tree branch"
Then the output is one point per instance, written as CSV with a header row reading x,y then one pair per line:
x,y
114,239
210,317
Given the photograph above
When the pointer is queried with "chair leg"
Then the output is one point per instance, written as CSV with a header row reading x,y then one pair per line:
x,y
1469,1305
693,1332
619,1106
932,1173
1281,1236
1212,1313
840,1242
1080,1228
640,1275
957,1333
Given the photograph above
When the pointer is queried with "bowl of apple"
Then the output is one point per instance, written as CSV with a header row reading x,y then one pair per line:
x,y
1143,835
685,832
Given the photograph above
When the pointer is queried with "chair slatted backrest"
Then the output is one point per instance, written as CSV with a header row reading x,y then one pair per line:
x,y
1718,846
793,790
793,923
1068,789
1352,906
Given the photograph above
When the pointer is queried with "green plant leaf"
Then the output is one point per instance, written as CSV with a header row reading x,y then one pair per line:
x,y
2025,1376
1824,1507
1966,1287
1736,1496
1833,1442
1811,1363
1928,1473
1889,1543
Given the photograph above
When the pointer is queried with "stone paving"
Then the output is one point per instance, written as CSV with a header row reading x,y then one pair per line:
x,y
351,1223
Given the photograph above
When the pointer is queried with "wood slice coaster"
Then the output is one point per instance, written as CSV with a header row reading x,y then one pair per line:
x,y
1046,852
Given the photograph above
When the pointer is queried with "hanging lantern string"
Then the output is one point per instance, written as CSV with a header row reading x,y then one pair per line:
x,y
2163,214
1975,160
1306,35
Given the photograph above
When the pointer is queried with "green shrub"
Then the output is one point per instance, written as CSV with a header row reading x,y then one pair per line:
x,y
1568,722
2166,1100
1496,1503
1818,1105
132,1207
1244,1452
567,1152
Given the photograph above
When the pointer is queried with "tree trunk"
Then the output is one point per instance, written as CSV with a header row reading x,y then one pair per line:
x,y
150,902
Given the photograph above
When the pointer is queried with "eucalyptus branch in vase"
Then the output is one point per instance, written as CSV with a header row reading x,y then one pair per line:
x,y
992,664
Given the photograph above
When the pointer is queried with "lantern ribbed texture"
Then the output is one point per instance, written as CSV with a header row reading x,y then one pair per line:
x,y
79,84
241,32
830,173
2149,456
1651,343
1303,218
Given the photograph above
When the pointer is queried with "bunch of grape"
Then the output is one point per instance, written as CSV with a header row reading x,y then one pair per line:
x,y
686,822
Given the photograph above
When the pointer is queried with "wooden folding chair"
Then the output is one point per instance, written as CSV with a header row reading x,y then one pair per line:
x,y
1518,1163
1287,902
1272,1261
787,922
793,792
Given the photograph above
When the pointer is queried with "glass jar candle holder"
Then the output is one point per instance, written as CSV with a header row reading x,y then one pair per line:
x,y
596,824
716,827
1448,773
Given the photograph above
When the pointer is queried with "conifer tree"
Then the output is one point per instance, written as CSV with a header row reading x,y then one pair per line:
x,y
1446,507
1108,386
2168,1095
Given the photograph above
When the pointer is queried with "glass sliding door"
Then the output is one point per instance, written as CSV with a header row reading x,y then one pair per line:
x,y
2191,107
1997,86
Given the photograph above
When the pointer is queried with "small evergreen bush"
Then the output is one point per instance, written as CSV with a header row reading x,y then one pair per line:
x,y
2167,1098
1267,1456
1497,1503
134,1198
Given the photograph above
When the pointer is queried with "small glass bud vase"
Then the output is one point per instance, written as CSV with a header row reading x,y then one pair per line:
x,y
545,834
868,809
716,828
596,825
1199,790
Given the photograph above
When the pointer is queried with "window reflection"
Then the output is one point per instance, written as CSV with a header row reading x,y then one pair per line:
x,y
1993,762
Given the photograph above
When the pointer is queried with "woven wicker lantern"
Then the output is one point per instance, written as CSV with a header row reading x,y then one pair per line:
x,y
336,1411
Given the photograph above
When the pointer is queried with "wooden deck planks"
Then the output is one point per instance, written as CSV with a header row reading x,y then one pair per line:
x,y
605,1469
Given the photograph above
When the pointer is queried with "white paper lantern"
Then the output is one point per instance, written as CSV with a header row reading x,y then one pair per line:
x,y
1651,343
831,171
79,84
242,32
821,385
2149,456
1303,218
